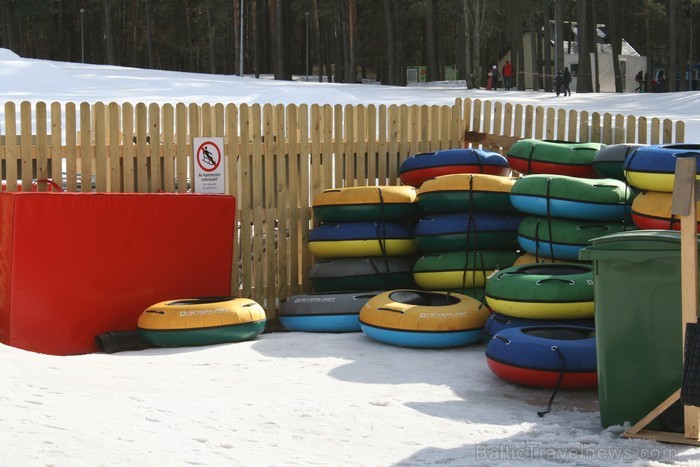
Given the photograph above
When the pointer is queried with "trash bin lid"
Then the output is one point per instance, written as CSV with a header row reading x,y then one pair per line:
x,y
635,245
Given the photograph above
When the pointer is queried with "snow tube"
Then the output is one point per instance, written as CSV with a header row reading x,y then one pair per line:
x,y
366,203
652,168
651,210
466,192
539,355
572,197
532,156
498,322
563,238
364,274
609,161
462,230
323,312
453,270
201,321
542,291
421,167
418,318
357,239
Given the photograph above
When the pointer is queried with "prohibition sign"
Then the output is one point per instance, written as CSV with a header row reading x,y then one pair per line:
x,y
208,156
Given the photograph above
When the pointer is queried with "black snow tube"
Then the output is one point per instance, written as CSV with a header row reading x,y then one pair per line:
x,y
121,341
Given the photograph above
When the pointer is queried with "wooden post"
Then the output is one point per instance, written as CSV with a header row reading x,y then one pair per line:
x,y
683,205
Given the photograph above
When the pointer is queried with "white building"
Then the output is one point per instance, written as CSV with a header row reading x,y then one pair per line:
x,y
630,61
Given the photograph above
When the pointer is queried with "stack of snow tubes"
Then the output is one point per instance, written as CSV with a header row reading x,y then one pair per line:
x,y
363,245
542,331
462,225
650,170
468,229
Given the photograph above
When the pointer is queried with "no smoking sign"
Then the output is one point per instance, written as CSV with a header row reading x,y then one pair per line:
x,y
209,173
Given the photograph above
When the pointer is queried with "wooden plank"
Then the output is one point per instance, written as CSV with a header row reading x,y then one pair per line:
x,y
637,427
656,131
551,127
382,144
257,173
619,129
85,164
631,129
233,173
129,152
114,150
683,204
642,124
361,145
291,197
372,148
195,131
101,175
71,148
518,123
283,204
334,157
57,148
42,147
305,165
607,136
181,149
26,147
393,134
595,134
508,120
155,157
245,203
539,122
142,172
348,140
168,148
680,132
332,146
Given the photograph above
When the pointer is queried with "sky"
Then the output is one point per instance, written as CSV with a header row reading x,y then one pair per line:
x,y
293,398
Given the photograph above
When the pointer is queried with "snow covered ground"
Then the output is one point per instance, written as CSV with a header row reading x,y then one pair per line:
x,y
288,399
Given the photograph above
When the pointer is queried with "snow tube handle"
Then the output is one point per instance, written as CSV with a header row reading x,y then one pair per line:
x,y
394,310
55,186
555,279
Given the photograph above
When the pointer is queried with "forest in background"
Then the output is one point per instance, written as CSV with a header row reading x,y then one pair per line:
x,y
350,40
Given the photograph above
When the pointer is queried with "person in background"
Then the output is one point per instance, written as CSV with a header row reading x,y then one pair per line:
x,y
494,77
507,75
558,81
567,81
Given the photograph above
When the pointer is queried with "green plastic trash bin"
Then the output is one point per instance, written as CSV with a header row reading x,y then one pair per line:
x,y
637,288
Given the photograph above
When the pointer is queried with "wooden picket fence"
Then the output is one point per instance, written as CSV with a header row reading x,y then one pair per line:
x,y
277,158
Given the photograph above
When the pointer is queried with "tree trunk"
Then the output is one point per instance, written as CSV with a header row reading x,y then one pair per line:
x,y
673,46
594,46
468,68
390,76
190,48
317,36
150,54
558,37
430,44
109,36
584,60
210,38
351,69
534,43
547,50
